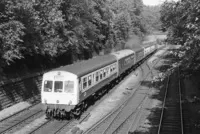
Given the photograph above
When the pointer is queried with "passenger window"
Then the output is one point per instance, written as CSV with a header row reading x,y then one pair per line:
x,y
89,80
58,86
97,76
69,86
101,74
84,82
48,86
104,73
113,67
107,71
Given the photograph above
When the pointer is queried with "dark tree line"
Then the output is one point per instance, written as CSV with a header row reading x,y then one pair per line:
x,y
182,20
35,32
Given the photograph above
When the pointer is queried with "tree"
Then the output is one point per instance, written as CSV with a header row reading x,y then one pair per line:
x,y
181,19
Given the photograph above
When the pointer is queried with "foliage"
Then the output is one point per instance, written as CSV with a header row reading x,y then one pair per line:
x,y
181,19
151,15
46,31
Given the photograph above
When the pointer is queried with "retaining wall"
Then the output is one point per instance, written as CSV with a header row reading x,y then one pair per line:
x,y
18,90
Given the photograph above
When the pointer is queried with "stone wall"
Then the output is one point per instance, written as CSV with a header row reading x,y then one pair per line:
x,y
18,90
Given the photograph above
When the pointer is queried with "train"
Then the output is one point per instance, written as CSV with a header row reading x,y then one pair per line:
x,y
66,90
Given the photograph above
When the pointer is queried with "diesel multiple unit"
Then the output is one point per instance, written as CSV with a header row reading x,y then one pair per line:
x,y
66,90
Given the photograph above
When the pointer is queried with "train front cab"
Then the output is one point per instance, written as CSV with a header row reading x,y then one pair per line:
x,y
59,91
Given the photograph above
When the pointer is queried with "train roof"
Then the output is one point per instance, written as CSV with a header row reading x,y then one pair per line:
x,y
122,53
137,48
87,66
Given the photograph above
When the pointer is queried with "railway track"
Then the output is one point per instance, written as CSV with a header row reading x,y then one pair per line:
x,y
20,112
115,114
51,127
171,118
57,126
11,124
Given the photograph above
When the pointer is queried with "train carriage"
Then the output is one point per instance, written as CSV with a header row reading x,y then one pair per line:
x,y
139,52
125,59
65,87
147,49
153,48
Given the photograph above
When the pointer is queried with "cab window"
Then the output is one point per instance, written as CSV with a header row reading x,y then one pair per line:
x,y
58,86
48,85
69,86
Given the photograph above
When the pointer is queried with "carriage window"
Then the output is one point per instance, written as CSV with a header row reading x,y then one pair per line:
x,y
111,69
101,74
97,76
89,80
48,86
107,71
58,86
84,82
104,73
69,86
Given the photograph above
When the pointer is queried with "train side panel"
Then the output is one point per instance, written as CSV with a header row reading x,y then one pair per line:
x,y
126,62
92,82
139,54
147,50
125,59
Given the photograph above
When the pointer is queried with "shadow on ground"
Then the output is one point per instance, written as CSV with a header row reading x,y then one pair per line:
x,y
151,127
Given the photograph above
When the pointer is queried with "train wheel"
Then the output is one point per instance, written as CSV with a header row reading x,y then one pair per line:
x,y
47,113
68,115
50,114
54,113
62,113
77,113
85,106
47,116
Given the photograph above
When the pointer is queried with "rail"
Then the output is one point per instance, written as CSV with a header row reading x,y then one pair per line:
x,y
170,108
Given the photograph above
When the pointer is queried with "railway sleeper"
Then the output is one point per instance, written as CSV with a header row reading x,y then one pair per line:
x,y
172,123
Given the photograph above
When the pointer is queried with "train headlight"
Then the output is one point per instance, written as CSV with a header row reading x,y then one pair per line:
x,y
57,101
